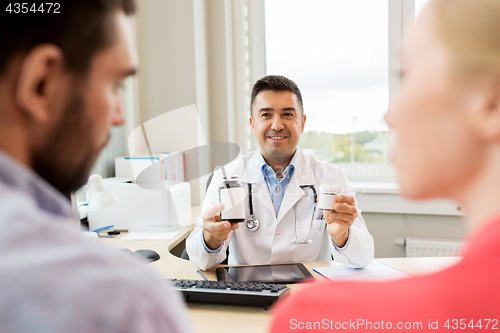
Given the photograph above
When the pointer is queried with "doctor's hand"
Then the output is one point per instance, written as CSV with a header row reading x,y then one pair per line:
x,y
215,231
340,219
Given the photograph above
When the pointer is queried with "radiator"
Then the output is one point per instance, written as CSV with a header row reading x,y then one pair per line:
x,y
433,247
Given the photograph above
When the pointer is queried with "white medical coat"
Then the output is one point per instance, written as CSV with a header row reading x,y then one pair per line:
x,y
272,242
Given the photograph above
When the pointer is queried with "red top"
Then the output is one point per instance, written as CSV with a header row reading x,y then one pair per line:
x,y
465,295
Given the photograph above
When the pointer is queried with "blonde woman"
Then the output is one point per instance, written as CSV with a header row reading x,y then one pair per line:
x,y
447,121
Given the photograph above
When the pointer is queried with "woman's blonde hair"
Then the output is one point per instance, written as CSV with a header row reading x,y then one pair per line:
x,y
471,31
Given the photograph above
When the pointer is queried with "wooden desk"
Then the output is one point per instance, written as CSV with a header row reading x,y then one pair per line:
x,y
208,318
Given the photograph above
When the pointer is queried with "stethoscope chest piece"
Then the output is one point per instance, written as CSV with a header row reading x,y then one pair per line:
x,y
253,224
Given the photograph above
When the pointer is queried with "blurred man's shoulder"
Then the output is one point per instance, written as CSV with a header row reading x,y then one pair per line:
x,y
47,264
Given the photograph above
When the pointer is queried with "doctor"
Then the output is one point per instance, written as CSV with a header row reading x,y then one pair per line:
x,y
287,231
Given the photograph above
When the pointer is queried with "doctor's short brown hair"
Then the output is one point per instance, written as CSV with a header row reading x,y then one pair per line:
x,y
80,28
275,83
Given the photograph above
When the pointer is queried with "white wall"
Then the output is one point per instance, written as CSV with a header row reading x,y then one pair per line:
x,y
385,228
172,73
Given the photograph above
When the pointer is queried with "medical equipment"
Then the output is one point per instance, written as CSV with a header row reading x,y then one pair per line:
x,y
252,223
305,241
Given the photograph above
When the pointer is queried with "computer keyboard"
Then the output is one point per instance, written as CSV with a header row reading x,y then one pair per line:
x,y
242,293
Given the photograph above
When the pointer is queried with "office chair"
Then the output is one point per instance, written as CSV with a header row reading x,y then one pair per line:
x,y
184,254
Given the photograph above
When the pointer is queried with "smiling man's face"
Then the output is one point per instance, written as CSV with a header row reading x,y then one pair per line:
x,y
277,122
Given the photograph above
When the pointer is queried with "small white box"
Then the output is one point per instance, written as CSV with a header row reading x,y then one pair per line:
x,y
143,209
132,167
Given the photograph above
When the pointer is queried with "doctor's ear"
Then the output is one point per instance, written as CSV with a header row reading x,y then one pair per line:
x,y
303,123
41,76
252,125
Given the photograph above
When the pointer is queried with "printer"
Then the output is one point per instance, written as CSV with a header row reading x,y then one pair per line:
x,y
163,208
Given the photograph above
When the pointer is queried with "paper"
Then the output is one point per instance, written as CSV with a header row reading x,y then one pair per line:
x,y
376,271
135,235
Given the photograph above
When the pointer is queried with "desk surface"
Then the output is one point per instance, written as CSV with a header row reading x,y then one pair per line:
x,y
216,318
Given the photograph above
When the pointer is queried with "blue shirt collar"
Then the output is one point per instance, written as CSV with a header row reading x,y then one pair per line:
x,y
268,172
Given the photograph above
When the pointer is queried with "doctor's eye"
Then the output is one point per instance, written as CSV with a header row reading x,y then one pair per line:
x,y
265,115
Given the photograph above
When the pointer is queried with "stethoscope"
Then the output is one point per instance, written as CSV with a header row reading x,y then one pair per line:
x,y
253,223
305,241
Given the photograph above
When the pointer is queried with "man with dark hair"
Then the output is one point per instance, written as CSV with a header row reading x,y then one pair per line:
x,y
283,182
275,83
60,76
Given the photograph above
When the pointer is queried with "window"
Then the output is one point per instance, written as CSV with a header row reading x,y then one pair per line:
x,y
338,53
